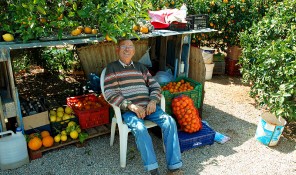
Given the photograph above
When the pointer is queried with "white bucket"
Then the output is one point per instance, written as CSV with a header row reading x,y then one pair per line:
x,y
208,55
270,129
13,150
209,71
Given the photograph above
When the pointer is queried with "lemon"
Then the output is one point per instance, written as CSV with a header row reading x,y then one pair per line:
x,y
57,138
68,110
53,118
64,138
64,132
74,134
59,119
60,114
60,109
8,37
71,123
66,116
52,112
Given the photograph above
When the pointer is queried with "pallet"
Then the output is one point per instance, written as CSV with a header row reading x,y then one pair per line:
x,y
92,132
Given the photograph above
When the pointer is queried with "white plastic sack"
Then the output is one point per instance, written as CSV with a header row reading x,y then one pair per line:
x,y
146,59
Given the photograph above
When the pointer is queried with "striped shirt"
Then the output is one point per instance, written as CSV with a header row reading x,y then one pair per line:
x,y
125,84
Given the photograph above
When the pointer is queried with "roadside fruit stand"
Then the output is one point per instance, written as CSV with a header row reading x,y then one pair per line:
x,y
87,116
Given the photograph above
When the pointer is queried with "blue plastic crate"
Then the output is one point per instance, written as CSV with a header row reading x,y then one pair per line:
x,y
203,137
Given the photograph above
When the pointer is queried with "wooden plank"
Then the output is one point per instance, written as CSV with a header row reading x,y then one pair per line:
x,y
3,124
163,53
93,132
197,69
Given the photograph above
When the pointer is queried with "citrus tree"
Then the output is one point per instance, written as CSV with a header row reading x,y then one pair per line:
x,y
117,17
229,17
269,60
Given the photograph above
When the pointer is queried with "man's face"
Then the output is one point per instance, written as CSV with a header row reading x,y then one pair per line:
x,y
126,51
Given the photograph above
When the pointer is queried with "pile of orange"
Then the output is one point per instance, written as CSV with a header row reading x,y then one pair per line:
x,y
180,86
37,140
88,102
186,113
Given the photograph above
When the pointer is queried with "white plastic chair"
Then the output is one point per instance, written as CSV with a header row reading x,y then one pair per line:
x,y
122,127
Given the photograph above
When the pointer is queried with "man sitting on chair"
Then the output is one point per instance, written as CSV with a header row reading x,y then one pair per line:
x,y
130,86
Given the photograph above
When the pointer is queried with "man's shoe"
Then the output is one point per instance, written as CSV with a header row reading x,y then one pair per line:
x,y
154,172
177,171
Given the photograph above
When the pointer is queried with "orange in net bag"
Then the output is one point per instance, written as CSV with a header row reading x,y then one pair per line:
x,y
186,113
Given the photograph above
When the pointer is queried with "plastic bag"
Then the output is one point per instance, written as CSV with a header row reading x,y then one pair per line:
x,y
94,81
163,77
186,113
146,59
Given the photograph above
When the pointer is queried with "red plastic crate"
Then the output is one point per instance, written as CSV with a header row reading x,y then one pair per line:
x,y
89,118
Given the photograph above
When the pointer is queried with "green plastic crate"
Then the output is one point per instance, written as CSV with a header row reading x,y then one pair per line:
x,y
194,94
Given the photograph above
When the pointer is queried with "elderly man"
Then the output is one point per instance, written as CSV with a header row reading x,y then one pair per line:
x,y
130,86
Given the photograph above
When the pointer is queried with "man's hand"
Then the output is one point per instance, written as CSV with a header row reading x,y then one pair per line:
x,y
140,111
151,107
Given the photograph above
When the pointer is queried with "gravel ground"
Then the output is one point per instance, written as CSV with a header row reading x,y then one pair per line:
x,y
227,108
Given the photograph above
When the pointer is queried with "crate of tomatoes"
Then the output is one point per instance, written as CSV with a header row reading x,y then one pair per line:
x,y
91,110
182,85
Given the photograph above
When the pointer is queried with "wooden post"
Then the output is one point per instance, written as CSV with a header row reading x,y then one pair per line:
x,y
163,53
2,118
197,69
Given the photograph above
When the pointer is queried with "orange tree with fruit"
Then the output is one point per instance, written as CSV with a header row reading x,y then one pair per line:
x,y
31,19
229,17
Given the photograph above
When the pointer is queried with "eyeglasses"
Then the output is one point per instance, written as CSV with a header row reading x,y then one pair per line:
x,y
126,47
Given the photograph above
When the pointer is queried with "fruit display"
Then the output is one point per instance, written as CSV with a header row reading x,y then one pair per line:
x,y
187,115
60,117
86,30
88,102
71,132
37,140
179,86
143,27
91,110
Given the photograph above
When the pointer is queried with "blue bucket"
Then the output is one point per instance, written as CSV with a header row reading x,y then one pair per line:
x,y
269,129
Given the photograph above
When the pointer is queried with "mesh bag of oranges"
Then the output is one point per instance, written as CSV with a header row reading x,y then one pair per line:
x,y
186,114
182,86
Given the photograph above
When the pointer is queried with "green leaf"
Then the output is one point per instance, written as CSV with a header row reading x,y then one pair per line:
x,y
24,5
41,10
82,137
74,6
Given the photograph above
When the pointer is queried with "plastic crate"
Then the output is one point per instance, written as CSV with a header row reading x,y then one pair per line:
x,y
91,117
177,26
194,94
219,67
203,137
198,21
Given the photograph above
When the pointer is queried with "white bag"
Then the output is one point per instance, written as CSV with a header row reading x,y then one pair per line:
x,y
146,59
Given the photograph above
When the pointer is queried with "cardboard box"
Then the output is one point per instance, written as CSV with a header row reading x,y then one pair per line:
x,y
36,120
